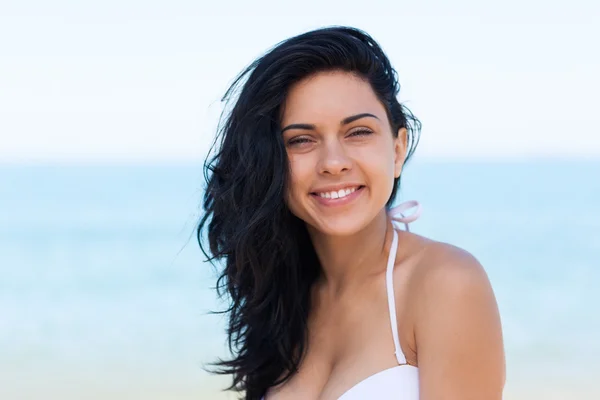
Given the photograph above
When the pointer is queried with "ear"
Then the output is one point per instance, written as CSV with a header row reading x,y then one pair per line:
x,y
400,145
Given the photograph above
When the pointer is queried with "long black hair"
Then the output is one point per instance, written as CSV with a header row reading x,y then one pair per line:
x,y
268,261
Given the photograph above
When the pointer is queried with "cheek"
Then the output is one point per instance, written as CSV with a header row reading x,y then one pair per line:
x,y
379,168
379,163
298,182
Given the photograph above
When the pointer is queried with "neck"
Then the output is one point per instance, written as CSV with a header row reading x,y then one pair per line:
x,y
348,260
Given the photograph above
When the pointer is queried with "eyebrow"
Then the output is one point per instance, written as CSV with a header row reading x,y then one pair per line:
x,y
345,121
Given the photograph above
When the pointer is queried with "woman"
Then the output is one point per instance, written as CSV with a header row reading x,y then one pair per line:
x,y
328,299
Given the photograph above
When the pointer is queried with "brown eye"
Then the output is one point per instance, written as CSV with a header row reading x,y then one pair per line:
x,y
297,141
361,132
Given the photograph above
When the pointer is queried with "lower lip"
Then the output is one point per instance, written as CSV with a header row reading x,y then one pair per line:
x,y
339,201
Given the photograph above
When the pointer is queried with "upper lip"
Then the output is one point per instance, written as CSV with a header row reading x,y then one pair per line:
x,y
335,188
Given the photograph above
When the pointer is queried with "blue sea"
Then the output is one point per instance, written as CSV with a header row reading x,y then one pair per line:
x,y
104,292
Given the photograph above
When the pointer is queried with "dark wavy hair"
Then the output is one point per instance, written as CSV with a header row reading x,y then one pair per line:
x,y
268,261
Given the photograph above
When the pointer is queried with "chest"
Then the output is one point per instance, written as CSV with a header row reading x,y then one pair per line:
x,y
345,347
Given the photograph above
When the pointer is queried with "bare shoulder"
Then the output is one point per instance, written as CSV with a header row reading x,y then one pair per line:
x,y
445,267
446,276
457,327
434,263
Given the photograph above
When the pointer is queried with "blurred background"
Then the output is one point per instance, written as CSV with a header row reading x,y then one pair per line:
x,y
107,110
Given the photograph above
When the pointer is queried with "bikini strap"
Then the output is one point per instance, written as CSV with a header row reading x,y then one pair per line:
x,y
397,215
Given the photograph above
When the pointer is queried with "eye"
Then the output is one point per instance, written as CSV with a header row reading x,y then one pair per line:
x,y
298,140
361,132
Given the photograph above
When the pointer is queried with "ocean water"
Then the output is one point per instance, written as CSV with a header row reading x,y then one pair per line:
x,y
104,292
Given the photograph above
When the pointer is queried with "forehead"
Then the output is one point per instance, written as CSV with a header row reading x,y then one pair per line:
x,y
330,96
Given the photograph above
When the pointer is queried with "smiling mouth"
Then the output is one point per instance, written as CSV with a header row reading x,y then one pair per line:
x,y
337,194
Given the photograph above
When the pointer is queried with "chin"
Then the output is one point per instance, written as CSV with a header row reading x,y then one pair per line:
x,y
341,226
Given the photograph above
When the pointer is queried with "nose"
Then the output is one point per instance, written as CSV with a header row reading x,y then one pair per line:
x,y
333,159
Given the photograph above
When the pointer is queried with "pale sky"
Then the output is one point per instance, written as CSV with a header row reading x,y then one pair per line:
x,y
133,80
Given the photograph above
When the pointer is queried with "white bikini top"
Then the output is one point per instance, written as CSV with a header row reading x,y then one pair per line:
x,y
402,381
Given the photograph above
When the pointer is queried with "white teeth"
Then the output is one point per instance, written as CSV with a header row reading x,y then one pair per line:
x,y
337,194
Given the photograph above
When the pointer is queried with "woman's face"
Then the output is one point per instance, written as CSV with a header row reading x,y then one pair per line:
x,y
343,156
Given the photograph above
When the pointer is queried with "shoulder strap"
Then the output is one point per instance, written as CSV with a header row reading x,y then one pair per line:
x,y
389,277
397,213
397,216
